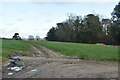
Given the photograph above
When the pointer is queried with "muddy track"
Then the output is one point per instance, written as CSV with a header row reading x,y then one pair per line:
x,y
51,64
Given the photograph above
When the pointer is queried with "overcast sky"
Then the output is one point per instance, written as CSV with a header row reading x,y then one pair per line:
x,y
36,18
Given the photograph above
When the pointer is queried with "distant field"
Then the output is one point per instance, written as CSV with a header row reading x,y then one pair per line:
x,y
103,52
10,47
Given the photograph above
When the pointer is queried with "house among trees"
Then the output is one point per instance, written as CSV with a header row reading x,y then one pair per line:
x,y
30,37
37,38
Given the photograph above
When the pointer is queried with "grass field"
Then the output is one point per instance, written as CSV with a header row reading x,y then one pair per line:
x,y
10,47
93,51
15,44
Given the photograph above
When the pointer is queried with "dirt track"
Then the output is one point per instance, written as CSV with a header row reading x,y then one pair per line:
x,y
51,64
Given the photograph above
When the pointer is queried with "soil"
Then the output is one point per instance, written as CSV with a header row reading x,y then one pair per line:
x,y
51,64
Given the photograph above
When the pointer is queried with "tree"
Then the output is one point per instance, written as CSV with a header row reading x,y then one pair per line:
x,y
116,13
51,34
115,27
89,29
69,30
92,28
76,29
16,36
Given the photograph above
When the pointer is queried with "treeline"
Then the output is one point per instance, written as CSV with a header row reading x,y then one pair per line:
x,y
89,29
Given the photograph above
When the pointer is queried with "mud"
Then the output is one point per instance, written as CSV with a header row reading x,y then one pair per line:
x,y
46,63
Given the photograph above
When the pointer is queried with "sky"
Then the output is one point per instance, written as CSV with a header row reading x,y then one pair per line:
x,y
36,18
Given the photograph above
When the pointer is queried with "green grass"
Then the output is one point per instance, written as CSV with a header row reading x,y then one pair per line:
x,y
24,54
11,47
88,51
102,52
15,44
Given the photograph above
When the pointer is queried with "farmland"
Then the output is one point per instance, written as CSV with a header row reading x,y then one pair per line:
x,y
84,51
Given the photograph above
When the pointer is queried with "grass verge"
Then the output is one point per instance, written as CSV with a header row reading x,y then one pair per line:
x,y
103,52
12,47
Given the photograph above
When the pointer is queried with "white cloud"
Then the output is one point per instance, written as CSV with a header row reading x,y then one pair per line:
x,y
75,0
31,19
59,0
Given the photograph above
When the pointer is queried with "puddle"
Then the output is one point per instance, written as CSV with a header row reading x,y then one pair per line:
x,y
15,58
12,65
13,61
16,68
34,70
10,74
7,64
